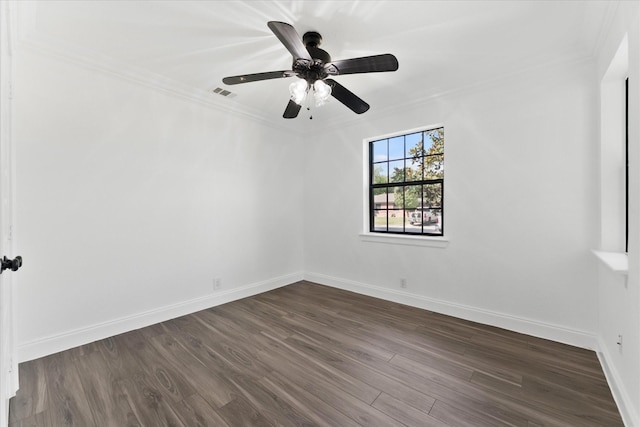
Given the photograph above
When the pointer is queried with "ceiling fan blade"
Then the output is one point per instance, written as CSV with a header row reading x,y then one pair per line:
x,y
347,97
292,110
366,64
246,78
290,39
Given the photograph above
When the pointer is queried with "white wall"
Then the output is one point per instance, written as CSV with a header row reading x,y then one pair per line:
x,y
130,202
619,297
520,207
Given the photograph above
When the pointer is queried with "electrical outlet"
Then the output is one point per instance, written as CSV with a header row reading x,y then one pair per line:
x,y
619,342
217,283
403,283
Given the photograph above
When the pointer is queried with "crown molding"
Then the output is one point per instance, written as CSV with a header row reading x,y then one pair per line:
x,y
463,90
605,26
137,75
35,41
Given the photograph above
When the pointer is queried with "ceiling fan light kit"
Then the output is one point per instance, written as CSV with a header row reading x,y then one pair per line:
x,y
313,67
300,89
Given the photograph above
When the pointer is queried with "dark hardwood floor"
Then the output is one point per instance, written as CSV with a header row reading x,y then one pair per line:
x,y
307,355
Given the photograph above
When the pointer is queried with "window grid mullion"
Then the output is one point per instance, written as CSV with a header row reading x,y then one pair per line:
x,y
404,185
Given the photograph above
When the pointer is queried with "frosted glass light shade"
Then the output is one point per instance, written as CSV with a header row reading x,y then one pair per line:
x,y
298,91
321,92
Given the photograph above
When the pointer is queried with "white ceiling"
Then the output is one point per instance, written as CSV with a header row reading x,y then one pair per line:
x,y
187,47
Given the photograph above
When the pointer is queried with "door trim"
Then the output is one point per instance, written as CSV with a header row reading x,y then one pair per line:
x,y
8,361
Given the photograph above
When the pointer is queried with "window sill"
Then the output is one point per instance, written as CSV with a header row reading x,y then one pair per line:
x,y
399,239
617,262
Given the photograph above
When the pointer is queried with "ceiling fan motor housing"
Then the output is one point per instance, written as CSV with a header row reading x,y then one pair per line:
x,y
315,69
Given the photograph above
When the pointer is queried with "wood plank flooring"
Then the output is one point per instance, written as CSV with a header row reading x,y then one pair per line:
x,y
310,355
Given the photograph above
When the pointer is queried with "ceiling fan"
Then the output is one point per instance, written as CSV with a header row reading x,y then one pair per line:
x,y
313,66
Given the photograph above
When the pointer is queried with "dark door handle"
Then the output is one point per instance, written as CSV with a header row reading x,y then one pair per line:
x,y
13,264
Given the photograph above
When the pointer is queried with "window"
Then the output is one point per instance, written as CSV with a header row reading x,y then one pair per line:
x,y
406,180
614,180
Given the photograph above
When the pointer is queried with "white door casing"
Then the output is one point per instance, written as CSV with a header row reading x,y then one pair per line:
x,y
8,362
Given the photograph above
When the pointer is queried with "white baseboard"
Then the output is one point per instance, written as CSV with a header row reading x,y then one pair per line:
x,y
64,341
535,328
626,406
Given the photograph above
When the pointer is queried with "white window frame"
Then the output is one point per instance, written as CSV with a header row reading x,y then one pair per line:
x,y
613,209
389,238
